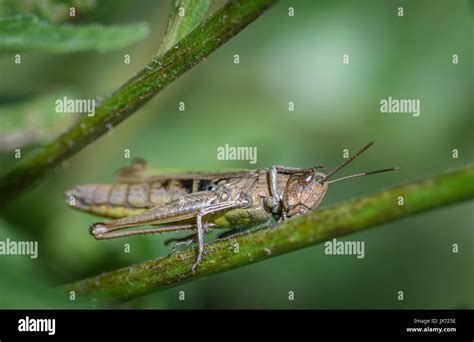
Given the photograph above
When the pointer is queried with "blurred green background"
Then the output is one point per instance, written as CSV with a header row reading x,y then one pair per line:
x,y
282,59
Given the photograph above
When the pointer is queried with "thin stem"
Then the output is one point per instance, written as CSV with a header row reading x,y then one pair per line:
x,y
339,220
160,72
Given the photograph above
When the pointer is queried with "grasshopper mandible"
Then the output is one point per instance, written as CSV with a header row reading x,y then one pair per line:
x,y
199,201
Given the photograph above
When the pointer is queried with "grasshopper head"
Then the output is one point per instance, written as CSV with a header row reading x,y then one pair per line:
x,y
303,193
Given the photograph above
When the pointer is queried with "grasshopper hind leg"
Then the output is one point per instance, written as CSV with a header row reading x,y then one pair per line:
x,y
242,202
101,232
195,205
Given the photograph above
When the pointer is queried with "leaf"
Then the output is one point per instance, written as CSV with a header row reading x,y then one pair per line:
x,y
185,16
29,33
33,121
51,10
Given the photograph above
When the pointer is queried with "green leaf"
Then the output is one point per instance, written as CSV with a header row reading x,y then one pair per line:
x,y
33,121
28,33
185,16
50,10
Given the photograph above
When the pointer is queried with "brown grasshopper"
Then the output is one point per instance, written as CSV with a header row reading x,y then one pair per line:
x,y
200,201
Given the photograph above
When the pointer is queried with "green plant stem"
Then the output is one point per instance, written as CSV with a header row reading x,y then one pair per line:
x,y
339,220
160,72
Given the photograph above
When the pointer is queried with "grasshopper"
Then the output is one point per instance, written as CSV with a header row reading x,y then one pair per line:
x,y
198,201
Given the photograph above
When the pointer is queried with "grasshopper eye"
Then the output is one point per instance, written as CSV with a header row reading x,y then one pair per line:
x,y
306,179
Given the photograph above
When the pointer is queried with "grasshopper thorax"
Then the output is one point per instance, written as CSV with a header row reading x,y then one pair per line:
x,y
303,192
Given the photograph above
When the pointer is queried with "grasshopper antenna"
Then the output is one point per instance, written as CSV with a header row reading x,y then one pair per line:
x,y
362,150
363,174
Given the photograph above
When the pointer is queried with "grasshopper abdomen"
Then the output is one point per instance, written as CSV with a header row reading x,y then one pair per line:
x,y
125,199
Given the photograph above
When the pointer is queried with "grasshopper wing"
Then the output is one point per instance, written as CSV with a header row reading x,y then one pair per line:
x,y
139,171
135,172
